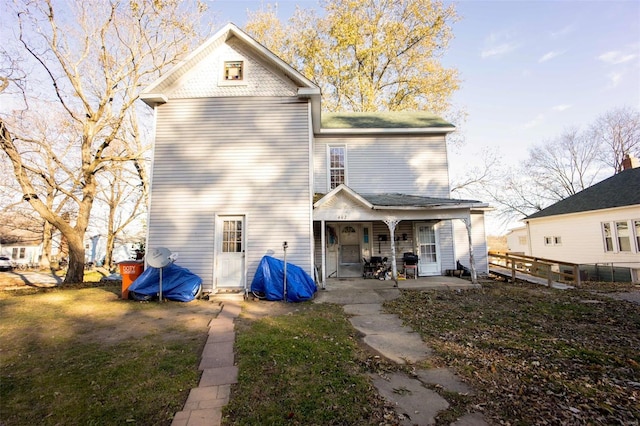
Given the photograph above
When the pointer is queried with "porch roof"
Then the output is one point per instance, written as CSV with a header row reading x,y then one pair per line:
x,y
397,201
405,200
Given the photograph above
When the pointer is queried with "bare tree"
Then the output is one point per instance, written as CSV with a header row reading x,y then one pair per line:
x,y
619,131
94,57
123,196
554,170
566,165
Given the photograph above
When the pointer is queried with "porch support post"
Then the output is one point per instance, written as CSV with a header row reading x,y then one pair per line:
x,y
323,250
472,260
392,223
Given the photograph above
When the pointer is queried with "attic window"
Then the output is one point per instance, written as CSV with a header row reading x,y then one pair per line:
x,y
233,70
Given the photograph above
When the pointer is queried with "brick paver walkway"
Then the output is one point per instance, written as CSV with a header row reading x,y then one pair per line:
x,y
204,404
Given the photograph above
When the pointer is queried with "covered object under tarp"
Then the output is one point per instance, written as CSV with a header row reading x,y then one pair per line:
x,y
269,280
178,284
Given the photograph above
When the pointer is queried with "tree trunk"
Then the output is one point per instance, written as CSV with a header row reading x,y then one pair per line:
x,y
75,273
108,259
45,259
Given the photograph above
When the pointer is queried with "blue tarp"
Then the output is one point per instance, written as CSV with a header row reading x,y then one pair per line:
x,y
178,284
269,280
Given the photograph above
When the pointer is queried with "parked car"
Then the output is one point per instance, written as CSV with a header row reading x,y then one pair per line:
x,y
5,263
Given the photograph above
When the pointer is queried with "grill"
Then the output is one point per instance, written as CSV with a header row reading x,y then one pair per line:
x,y
410,259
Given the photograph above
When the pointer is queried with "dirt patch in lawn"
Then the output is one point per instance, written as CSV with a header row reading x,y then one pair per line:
x,y
96,312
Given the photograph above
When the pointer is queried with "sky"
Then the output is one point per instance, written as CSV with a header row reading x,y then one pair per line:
x,y
529,69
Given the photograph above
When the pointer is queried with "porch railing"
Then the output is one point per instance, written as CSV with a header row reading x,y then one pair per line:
x,y
551,270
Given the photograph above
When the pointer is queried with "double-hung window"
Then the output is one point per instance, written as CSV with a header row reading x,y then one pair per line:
x,y
337,160
621,236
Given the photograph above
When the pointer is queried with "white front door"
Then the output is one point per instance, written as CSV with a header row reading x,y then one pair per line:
x,y
230,241
428,249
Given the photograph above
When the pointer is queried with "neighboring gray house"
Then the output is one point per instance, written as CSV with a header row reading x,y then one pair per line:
x,y
244,161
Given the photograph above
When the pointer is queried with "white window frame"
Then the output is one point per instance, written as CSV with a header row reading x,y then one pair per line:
x,y
329,168
632,235
555,240
222,81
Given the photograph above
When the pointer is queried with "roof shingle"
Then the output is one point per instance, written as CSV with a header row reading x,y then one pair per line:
x,y
620,190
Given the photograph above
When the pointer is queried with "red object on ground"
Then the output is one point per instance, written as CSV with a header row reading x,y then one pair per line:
x,y
130,270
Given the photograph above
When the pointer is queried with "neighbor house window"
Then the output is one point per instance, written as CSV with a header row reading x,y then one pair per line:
x,y
22,253
522,241
548,241
337,166
14,253
557,241
622,230
608,237
621,236
233,70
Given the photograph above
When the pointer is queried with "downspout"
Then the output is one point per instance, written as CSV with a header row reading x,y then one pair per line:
x,y
529,239
312,239
323,250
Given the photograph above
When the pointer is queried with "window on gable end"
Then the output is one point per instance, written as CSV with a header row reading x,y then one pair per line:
x,y
636,225
233,70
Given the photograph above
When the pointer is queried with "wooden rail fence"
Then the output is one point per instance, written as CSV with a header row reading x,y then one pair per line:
x,y
551,270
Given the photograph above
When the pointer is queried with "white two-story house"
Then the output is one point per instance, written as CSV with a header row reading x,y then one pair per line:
x,y
245,160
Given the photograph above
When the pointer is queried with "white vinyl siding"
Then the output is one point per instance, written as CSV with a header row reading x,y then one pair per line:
x,y
403,164
479,238
231,156
585,237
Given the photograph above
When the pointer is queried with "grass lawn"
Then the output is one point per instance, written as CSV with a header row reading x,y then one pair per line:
x,y
535,355
304,368
83,356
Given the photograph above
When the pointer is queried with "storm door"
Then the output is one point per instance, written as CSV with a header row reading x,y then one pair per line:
x,y
428,249
230,241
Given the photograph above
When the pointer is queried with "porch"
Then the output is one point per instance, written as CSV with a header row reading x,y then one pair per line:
x,y
360,290
352,229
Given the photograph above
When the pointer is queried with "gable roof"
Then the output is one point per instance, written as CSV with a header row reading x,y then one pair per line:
x,y
384,122
379,120
156,92
620,190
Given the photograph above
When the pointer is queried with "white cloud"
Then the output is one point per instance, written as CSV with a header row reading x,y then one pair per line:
x,y
563,31
533,123
550,55
562,107
614,79
617,57
498,50
498,44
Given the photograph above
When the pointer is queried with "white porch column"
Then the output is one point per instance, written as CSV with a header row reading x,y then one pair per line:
x,y
392,223
472,260
323,250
